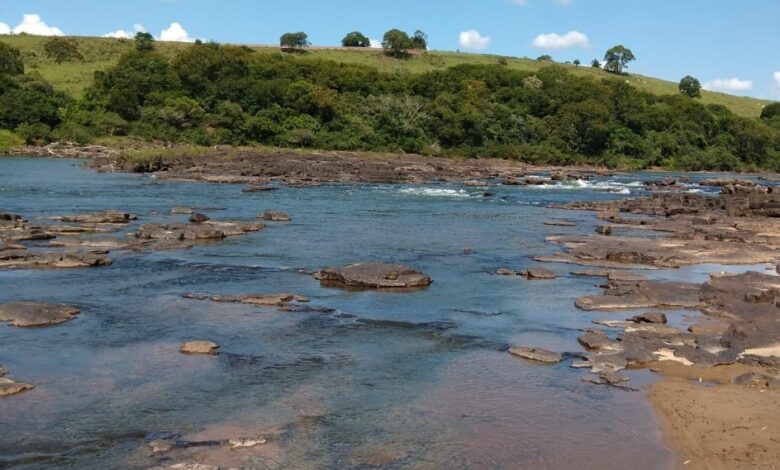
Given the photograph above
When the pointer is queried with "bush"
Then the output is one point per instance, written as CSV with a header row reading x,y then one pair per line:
x,y
9,140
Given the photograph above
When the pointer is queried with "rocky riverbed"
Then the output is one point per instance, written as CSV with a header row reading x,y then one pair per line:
x,y
334,323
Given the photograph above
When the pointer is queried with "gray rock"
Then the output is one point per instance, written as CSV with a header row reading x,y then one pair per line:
x,y
651,317
596,340
539,273
275,216
198,218
536,354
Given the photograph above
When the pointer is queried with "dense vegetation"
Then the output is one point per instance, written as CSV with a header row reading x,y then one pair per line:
x,y
211,94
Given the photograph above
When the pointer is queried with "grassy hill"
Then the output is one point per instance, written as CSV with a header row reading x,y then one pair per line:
x,y
100,53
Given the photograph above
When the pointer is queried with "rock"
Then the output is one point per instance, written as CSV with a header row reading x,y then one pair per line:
x,y
595,340
42,260
246,442
199,347
652,317
757,379
3,371
105,217
263,300
190,466
539,273
559,223
198,218
620,276
709,328
374,276
536,354
160,445
9,387
179,232
257,189
604,230
505,272
181,210
275,216
29,314
643,295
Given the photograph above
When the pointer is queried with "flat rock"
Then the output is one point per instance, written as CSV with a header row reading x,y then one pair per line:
x,y
42,260
536,354
199,347
9,387
105,217
263,300
505,272
198,218
539,273
650,317
275,216
374,276
595,340
559,223
643,295
29,314
246,442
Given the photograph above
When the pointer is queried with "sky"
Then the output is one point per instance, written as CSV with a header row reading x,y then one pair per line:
x,y
729,45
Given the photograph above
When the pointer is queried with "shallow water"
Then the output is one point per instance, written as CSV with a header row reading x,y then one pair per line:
x,y
365,380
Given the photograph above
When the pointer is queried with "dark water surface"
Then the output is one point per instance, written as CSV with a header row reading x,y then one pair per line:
x,y
367,379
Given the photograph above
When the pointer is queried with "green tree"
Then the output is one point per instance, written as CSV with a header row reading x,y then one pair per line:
x,y
771,115
355,39
144,42
595,64
618,58
396,43
690,87
294,42
576,62
419,40
10,60
545,58
62,49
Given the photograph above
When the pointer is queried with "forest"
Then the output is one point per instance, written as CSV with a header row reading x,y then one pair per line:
x,y
210,94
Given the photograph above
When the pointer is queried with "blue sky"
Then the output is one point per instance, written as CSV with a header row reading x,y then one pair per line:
x,y
731,45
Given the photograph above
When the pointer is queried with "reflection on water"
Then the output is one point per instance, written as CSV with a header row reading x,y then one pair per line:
x,y
406,380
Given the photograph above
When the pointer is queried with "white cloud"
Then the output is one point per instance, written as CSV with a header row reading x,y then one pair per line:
x,y
175,33
776,76
124,34
471,39
4,28
33,24
728,84
557,41
375,43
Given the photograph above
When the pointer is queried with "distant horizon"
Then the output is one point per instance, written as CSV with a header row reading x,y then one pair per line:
x,y
693,38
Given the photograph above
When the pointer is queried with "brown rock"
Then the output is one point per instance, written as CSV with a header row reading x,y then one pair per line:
x,y
536,354
275,216
652,317
105,217
198,218
29,314
10,387
539,273
505,272
199,347
374,276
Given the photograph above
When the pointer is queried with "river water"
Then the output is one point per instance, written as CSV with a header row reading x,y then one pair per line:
x,y
374,382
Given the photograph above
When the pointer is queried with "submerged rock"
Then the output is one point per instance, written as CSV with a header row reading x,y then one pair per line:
x,y
539,273
505,272
29,314
536,354
199,347
374,276
263,300
105,217
275,216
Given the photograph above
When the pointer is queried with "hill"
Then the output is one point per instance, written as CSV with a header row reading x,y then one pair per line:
x,y
103,53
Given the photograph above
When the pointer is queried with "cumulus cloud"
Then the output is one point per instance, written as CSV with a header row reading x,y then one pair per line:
x,y
34,25
375,43
557,41
124,34
471,39
4,28
728,84
175,33
776,76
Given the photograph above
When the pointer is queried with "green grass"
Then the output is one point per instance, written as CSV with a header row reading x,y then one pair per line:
x,y
9,140
101,53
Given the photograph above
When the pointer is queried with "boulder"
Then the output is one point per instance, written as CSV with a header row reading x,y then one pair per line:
x,y
374,276
199,347
29,314
198,218
275,216
536,354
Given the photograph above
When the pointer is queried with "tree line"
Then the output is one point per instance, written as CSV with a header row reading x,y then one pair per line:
x,y
218,94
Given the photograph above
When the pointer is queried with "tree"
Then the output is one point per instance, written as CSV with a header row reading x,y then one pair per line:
x,y
10,60
618,58
294,42
577,62
690,87
595,64
62,49
355,39
545,58
419,40
770,111
396,43
144,42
